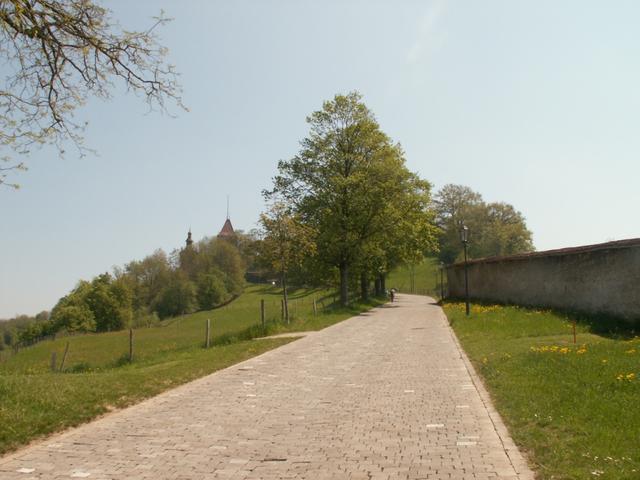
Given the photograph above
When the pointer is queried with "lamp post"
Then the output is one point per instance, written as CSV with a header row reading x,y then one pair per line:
x,y
441,280
464,236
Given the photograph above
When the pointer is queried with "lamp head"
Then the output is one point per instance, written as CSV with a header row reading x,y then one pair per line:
x,y
464,234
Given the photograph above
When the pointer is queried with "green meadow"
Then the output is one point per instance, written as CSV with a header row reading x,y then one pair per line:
x,y
422,278
97,376
572,407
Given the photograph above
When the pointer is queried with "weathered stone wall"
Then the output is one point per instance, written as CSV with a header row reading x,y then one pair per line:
x,y
603,278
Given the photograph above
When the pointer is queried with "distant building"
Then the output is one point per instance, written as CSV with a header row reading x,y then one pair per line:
x,y
227,232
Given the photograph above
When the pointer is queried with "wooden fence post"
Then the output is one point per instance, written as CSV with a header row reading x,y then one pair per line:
x,y
130,345
64,357
207,343
315,308
262,319
282,307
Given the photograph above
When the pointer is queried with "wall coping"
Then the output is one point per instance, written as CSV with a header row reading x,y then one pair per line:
x,y
618,244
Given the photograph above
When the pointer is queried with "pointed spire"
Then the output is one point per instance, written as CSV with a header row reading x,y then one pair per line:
x,y
189,241
227,206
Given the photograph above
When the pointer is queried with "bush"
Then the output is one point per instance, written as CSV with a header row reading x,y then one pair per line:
x,y
211,290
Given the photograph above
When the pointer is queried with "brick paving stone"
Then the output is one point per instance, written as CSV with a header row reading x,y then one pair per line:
x,y
388,394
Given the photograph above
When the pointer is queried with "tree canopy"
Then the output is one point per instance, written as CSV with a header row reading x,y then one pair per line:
x,y
56,54
349,183
286,243
495,228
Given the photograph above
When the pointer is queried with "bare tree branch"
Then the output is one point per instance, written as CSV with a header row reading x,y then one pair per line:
x,y
58,54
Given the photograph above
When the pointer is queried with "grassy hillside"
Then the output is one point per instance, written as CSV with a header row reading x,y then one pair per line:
x,y
422,278
106,350
97,376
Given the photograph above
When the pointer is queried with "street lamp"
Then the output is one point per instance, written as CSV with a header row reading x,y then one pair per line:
x,y
441,281
464,236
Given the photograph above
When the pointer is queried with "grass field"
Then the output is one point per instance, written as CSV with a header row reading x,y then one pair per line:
x,y
97,378
573,408
422,278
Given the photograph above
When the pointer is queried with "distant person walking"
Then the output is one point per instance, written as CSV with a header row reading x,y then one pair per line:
x,y
392,293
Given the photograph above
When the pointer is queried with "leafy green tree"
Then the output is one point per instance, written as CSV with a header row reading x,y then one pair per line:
x,y
74,318
56,55
178,297
104,304
211,290
343,183
227,258
285,244
216,255
146,279
495,228
110,303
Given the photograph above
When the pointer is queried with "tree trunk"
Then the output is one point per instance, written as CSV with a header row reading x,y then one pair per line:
x,y
378,286
364,286
285,298
344,284
383,283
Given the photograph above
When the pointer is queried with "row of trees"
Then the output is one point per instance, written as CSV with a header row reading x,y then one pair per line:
x,y
344,211
346,208
496,228
201,276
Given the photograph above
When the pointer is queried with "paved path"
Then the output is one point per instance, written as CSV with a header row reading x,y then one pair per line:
x,y
385,395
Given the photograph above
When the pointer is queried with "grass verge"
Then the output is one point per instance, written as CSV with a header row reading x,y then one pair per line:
x,y
35,402
571,407
35,405
422,278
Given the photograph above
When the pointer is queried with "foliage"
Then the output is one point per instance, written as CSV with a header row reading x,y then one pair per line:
x,y
75,318
177,297
211,290
495,228
350,185
202,276
571,407
58,54
104,304
286,242
146,278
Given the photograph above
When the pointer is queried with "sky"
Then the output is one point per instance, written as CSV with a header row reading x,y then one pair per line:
x,y
534,103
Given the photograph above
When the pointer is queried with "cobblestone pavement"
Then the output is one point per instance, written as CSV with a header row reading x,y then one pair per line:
x,y
385,395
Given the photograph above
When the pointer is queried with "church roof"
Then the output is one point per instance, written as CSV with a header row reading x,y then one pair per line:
x,y
227,229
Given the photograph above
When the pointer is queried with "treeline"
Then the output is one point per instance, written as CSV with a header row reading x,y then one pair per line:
x,y
343,213
495,228
346,210
201,276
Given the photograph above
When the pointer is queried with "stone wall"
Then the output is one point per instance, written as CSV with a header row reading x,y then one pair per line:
x,y
603,278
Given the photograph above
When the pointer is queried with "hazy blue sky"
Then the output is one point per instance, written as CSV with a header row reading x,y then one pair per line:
x,y
534,103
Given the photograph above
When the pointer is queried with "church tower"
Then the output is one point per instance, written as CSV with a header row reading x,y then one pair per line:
x,y
227,232
189,241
